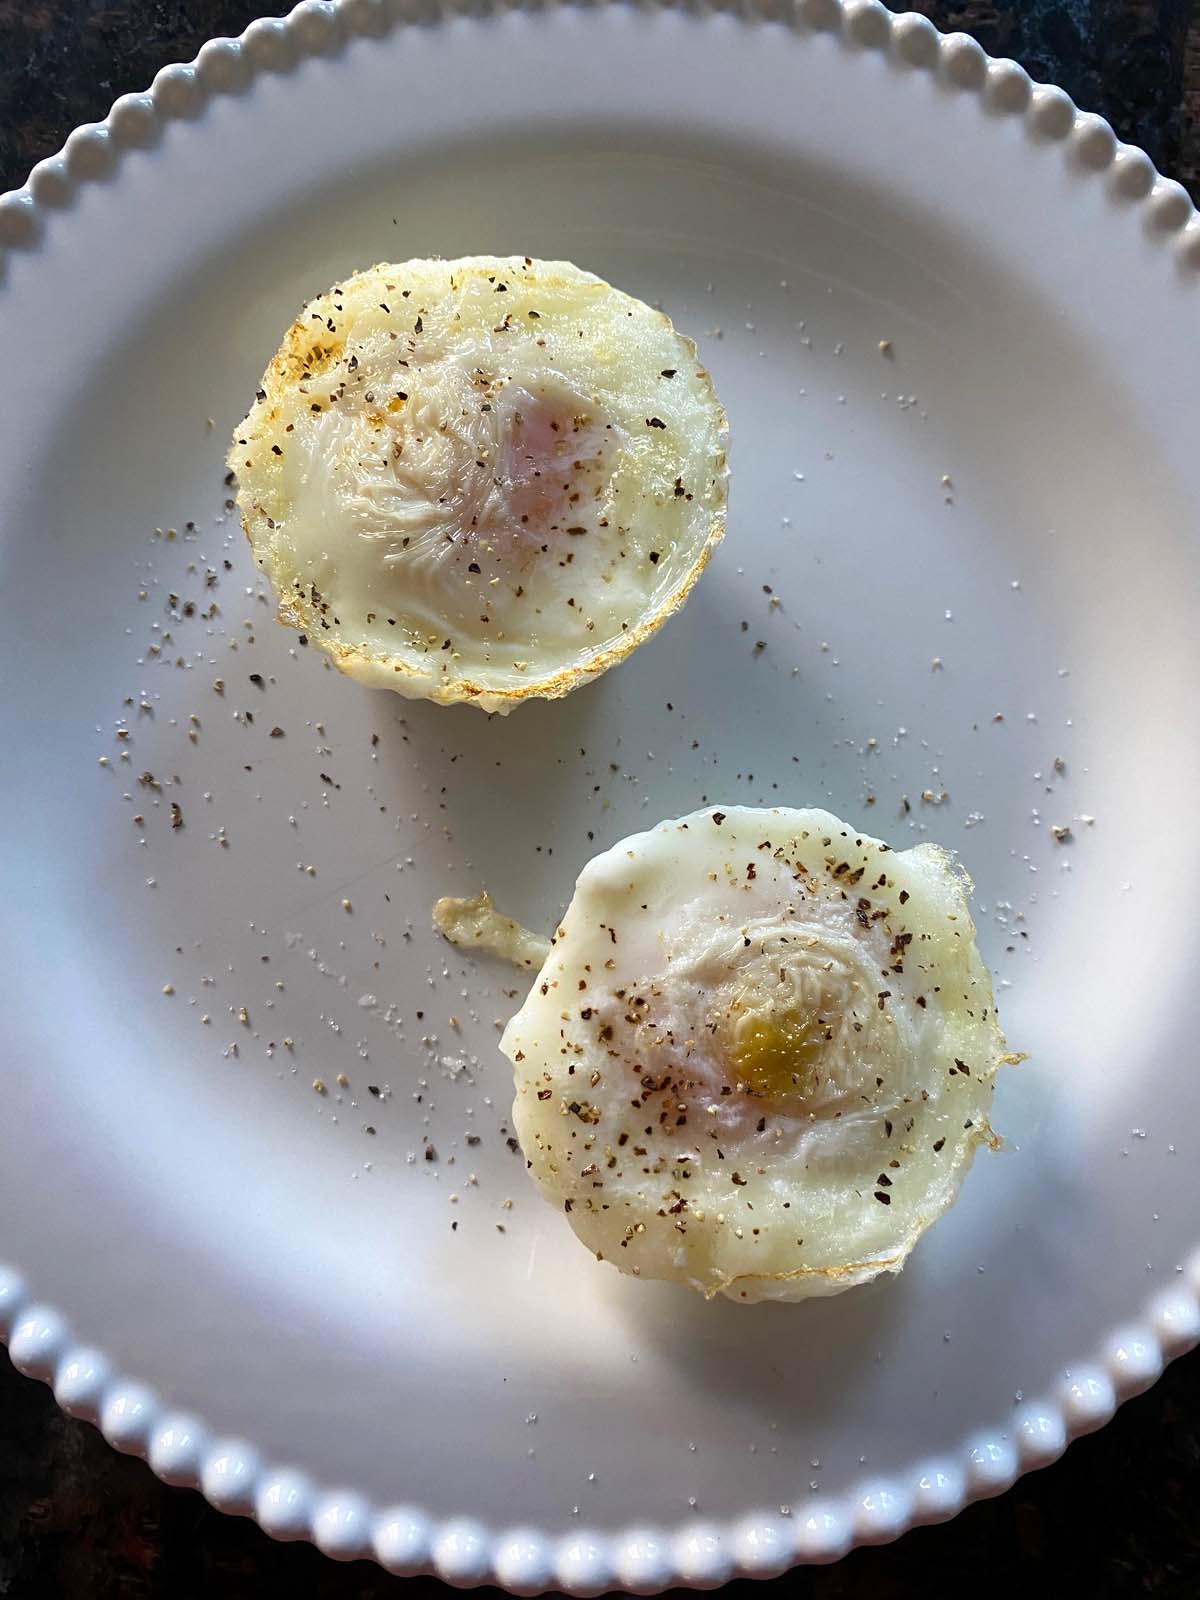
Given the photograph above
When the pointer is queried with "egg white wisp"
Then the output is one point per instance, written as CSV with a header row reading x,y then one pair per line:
x,y
759,1058
481,479
475,924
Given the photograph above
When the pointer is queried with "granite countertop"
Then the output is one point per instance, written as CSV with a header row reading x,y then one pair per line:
x,y
1120,1515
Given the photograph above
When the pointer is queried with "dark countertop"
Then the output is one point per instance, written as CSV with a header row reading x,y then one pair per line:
x,y
1120,1515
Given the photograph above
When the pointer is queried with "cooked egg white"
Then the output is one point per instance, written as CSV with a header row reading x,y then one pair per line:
x,y
482,479
475,924
759,1057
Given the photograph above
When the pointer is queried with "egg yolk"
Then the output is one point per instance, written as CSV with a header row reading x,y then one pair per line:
x,y
550,462
777,1059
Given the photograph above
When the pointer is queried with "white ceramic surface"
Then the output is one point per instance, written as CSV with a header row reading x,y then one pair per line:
x,y
983,542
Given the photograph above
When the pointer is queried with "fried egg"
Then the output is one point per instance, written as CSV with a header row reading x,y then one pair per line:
x,y
759,1057
481,480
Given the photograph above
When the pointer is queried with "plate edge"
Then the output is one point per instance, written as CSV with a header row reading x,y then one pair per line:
x,y
317,28
701,1553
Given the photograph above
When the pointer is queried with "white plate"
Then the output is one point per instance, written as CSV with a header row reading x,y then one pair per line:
x,y
284,1312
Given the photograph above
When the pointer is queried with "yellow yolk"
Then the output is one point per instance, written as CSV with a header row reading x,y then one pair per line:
x,y
777,1060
